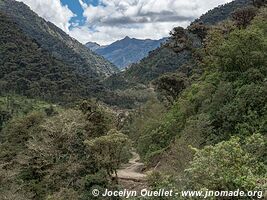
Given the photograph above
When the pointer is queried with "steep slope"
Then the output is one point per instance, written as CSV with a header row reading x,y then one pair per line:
x,y
27,69
124,52
215,108
56,41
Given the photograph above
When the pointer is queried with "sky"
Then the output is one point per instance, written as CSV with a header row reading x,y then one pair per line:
x,y
105,21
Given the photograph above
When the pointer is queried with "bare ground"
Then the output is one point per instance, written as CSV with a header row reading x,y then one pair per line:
x,y
131,175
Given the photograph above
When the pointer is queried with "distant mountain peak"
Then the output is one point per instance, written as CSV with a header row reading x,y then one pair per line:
x,y
126,51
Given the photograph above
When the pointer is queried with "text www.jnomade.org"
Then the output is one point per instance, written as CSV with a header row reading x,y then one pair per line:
x,y
171,193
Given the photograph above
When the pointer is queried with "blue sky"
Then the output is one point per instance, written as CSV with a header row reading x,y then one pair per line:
x,y
105,21
76,8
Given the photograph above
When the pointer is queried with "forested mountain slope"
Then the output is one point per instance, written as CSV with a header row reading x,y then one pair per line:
x,y
28,69
56,41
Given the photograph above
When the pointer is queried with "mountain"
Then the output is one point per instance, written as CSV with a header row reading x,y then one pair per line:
x,y
30,70
56,41
127,51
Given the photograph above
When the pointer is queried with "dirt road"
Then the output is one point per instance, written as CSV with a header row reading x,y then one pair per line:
x,y
132,170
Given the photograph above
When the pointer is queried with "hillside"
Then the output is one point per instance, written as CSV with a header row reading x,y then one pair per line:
x,y
127,51
214,133
31,63
28,69
57,42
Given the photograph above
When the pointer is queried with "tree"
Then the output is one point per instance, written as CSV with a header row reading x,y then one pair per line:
x,y
56,155
244,49
170,86
4,117
200,29
98,122
243,16
179,40
108,150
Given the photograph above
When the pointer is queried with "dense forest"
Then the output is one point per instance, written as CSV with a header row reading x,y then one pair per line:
x,y
195,110
55,41
29,70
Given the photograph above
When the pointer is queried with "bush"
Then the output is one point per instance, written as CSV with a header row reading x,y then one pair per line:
x,y
229,165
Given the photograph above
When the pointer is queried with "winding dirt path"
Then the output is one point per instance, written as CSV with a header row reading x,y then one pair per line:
x,y
132,170
131,175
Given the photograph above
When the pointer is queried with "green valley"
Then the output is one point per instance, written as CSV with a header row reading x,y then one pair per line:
x,y
191,116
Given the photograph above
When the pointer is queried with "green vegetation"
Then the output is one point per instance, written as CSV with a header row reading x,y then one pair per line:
x,y
58,156
15,106
27,69
222,112
239,163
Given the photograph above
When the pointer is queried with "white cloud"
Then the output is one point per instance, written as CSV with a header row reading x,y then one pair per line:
x,y
114,19
107,34
53,11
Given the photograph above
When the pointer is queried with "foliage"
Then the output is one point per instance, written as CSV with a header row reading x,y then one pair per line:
x,y
228,99
108,150
222,12
158,62
15,105
48,155
179,40
29,70
52,153
151,113
158,180
200,29
259,3
170,86
228,166
242,17
98,121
